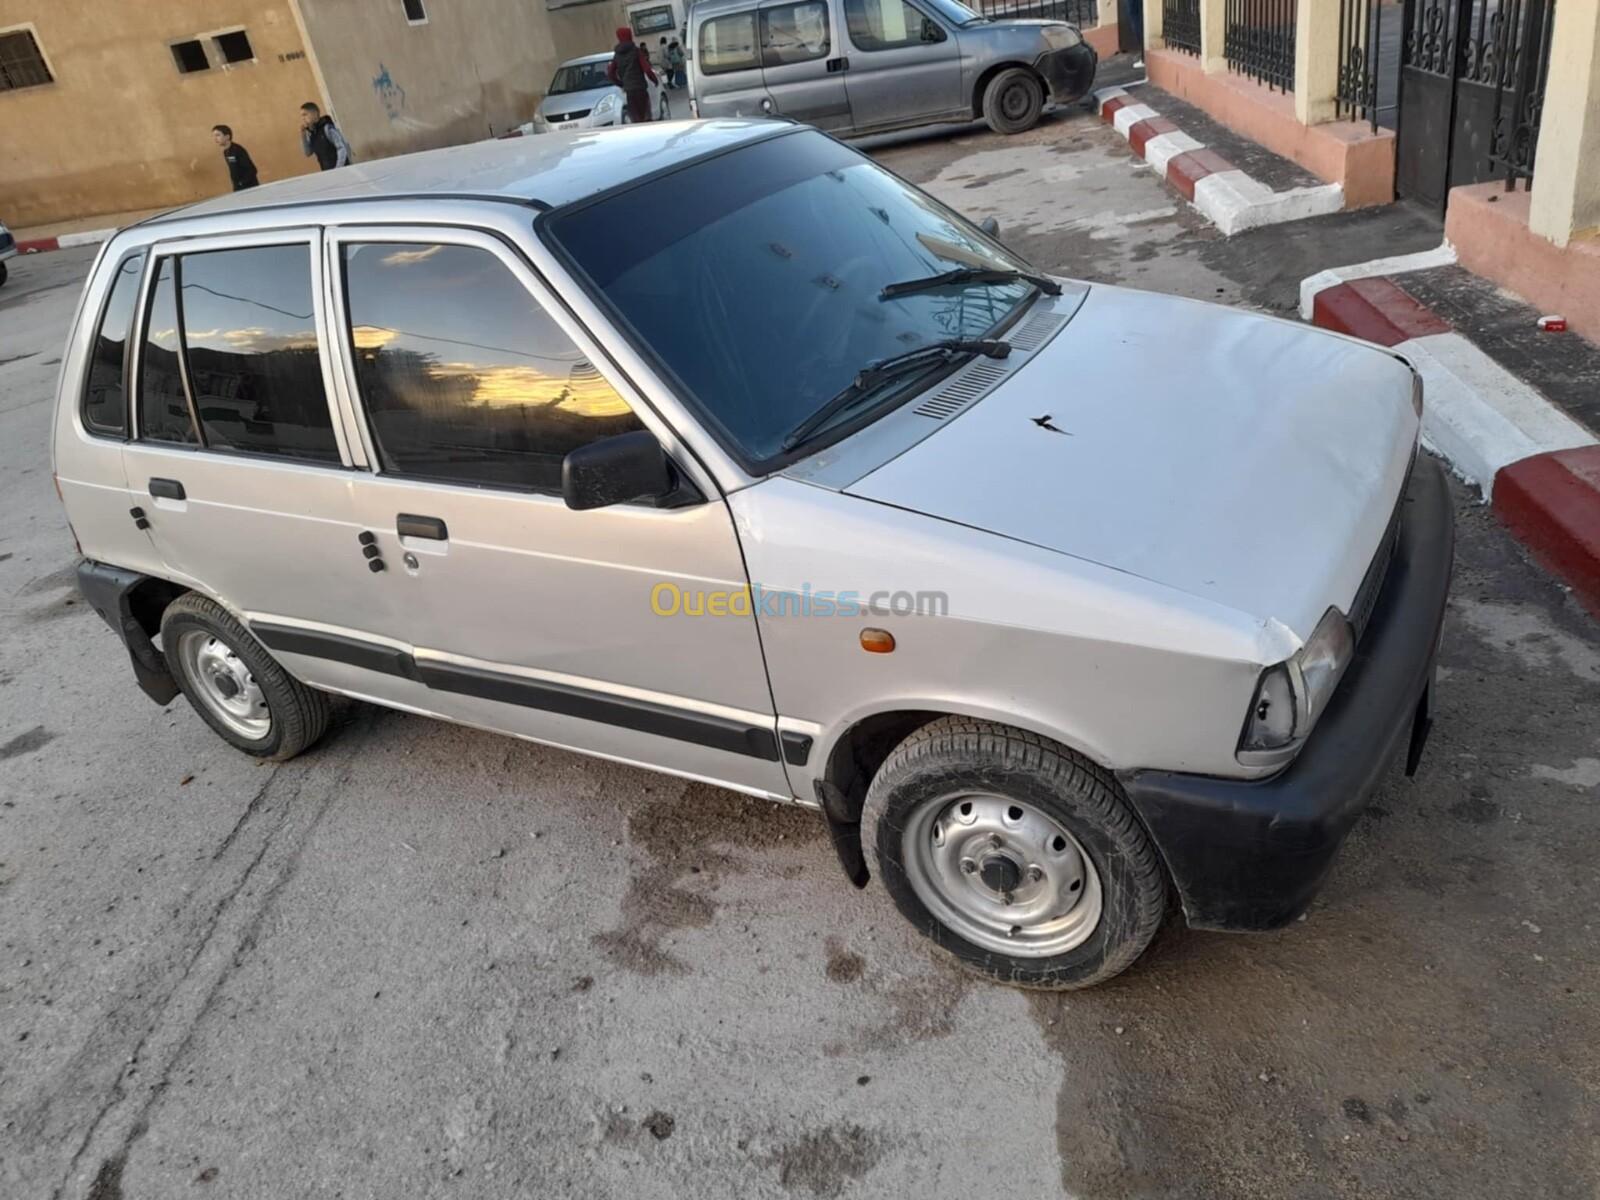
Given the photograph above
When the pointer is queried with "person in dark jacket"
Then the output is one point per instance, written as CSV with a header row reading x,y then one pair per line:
x,y
320,138
630,70
241,168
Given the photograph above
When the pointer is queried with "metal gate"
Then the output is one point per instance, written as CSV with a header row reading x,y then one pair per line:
x,y
1472,76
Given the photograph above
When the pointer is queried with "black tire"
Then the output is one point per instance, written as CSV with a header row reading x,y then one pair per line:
x,y
954,754
3,274
1013,101
298,715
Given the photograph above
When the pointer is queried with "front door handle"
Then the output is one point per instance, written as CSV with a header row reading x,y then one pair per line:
x,y
410,525
838,64
167,489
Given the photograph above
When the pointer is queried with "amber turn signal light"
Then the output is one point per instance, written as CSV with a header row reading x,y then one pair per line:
x,y
877,641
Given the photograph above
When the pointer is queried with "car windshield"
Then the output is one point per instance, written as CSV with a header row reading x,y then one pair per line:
x,y
578,77
958,13
756,278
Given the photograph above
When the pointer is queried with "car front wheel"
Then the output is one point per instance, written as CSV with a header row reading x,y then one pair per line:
x,y
1013,854
1013,101
235,685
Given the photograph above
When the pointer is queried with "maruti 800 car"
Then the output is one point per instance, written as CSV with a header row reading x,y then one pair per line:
x,y
1128,597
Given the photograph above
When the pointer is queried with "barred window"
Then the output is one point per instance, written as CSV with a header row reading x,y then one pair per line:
x,y
21,62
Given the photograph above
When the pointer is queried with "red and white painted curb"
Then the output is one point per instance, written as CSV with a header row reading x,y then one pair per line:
x,y
1230,199
1538,467
65,241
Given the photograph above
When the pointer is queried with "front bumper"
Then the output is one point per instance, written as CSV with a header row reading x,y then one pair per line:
x,y
8,244
1250,855
1070,72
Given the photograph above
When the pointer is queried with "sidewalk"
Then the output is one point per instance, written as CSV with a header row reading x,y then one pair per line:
x,y
81,232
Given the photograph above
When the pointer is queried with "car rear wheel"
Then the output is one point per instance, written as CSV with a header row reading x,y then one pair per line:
x,y
235,685
1013,854
1013,101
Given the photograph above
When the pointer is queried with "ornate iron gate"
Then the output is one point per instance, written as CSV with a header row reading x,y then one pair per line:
x,y
1472,78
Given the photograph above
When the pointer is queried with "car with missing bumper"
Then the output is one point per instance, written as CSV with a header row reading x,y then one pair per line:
x,y
1126,596
867,66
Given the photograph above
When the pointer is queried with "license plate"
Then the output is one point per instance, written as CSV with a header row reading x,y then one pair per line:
x,y
567,125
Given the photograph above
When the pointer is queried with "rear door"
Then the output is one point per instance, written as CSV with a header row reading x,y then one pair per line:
x,y
523,615
803,67
238,459
905,66
727,67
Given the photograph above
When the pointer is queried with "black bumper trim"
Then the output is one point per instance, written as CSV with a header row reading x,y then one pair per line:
x,y
109,591
1251,855
1069,73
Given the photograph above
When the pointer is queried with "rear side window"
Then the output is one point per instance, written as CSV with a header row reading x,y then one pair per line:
x,y
250,333
792,33
105,400
163,405
464,376
888,25
729,44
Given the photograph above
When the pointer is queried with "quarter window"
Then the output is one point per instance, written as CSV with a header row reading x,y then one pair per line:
x,y
888,25
105,401
729,44
464,376
250,334
163,404
792,33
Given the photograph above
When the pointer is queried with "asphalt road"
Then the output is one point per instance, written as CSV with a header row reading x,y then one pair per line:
x,y
424,961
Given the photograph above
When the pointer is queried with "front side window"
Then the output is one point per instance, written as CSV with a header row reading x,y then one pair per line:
x,y
465,378
163,404
105,400
888,25
792,33
251,336
729,44
757,278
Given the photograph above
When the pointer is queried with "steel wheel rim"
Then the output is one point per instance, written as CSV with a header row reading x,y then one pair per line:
x,y
223,683
1015,101
960,852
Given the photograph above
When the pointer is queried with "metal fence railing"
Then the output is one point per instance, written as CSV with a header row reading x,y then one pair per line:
x,y
1518,72
1359,42
1180,25
1085,14
1258,40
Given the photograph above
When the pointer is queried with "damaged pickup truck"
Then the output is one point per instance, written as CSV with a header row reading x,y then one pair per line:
x,y
1056,600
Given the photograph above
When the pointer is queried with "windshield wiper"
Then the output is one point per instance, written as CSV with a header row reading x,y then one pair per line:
x,y
970,275
871,377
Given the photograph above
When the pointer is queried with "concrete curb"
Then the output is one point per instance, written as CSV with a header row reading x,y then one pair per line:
x,y
1538,467
1230,199
65,241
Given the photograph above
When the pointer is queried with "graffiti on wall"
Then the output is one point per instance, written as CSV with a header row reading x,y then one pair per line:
x,y
390,94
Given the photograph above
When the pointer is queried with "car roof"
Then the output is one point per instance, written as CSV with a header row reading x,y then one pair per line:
x,y
603,56
546,170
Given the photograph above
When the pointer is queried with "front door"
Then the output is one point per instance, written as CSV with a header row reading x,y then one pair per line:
x,y
522,614
802,63
1471,90
904,65
238,460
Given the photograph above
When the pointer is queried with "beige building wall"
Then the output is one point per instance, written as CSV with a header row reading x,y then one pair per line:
x,y
121,129
471,70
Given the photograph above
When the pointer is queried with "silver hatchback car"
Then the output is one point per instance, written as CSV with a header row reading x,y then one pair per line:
x,y
1054,599
865,66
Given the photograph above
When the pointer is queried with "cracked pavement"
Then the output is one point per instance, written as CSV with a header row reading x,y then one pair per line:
x,y
427,961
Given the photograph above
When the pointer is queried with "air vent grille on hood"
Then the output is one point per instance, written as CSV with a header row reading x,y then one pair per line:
x,y
1036,331
961,391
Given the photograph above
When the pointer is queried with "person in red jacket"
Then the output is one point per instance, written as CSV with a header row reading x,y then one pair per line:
x,y
630,70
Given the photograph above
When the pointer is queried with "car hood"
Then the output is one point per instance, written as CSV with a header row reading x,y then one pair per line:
x,y
1243,459
568,102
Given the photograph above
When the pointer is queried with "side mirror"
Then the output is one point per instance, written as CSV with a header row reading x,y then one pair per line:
x,y
614,470
991,226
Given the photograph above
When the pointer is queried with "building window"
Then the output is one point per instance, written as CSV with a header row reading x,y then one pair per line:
x,y
234,46
190,57
21,62
415,12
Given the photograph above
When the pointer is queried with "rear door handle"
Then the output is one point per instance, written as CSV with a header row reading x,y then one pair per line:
x,y
838,64
410,525
167,489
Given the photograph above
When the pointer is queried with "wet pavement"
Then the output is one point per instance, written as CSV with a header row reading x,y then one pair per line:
x,y
427,961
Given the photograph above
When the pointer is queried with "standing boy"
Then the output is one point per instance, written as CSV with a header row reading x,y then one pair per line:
x,y
241,168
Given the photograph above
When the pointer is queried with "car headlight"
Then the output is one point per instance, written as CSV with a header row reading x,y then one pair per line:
x,y
1061,37
1292,695
608,104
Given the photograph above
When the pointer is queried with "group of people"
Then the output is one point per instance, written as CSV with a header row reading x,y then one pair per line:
x,y
632,71
319,138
